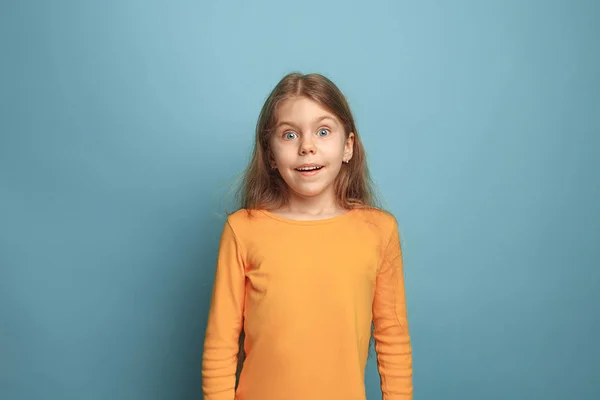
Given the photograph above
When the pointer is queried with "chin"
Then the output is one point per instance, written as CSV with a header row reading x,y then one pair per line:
x,y
302,188
309,192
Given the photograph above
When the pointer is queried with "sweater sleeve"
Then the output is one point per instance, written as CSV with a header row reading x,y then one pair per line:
x,y
392,339
221,345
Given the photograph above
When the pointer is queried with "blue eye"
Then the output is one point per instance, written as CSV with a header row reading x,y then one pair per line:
x,y
323,132
289,135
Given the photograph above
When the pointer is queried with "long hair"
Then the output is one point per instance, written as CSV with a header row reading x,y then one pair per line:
x,y
261,187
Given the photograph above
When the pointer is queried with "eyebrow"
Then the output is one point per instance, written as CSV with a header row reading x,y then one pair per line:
x,y
320,119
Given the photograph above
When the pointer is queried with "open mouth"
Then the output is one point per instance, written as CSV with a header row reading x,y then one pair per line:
x,y
309,169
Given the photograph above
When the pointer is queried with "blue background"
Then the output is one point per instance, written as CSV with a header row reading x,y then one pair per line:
x,y
124,123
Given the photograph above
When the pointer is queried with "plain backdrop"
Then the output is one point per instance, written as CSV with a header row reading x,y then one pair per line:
x,y
124,123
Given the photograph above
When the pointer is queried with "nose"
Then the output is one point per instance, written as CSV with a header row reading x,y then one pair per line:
x,y
307,146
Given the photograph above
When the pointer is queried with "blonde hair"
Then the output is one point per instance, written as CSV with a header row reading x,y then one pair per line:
x,y
261,187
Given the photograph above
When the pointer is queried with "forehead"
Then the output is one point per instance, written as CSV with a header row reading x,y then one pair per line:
x,y
301,110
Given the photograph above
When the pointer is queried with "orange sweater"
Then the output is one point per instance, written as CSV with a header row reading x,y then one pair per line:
x,y
306,293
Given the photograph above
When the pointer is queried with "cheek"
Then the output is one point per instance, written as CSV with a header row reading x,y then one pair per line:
x,y
282,155
335,150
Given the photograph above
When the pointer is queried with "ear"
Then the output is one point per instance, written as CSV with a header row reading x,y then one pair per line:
x,y
349,147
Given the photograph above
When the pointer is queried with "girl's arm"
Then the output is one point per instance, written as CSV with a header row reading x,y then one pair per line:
x,y
392,339
225,317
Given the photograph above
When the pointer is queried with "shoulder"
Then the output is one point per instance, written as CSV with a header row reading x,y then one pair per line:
x,y
376,227
375,223
382,219
238,226
237,217
244,220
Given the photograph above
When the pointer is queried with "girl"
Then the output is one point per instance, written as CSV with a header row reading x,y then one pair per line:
x,y
308,264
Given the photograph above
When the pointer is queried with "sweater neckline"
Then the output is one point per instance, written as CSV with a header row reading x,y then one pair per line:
x,y
318,221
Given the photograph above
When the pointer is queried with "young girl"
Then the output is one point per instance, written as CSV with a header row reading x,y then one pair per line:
x,y
308,264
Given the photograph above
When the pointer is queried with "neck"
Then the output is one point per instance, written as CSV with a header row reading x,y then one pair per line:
x,y
318,206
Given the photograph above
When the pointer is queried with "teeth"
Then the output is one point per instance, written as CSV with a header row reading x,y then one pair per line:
x,y
308,168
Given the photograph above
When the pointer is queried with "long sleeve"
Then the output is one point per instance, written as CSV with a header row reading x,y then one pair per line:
x,y
392,339
225,318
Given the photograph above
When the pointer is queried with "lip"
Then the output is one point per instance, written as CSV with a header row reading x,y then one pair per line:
x,y
309,173
309,165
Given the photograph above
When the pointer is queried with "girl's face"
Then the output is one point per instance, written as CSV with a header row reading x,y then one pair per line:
x,y
308,147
